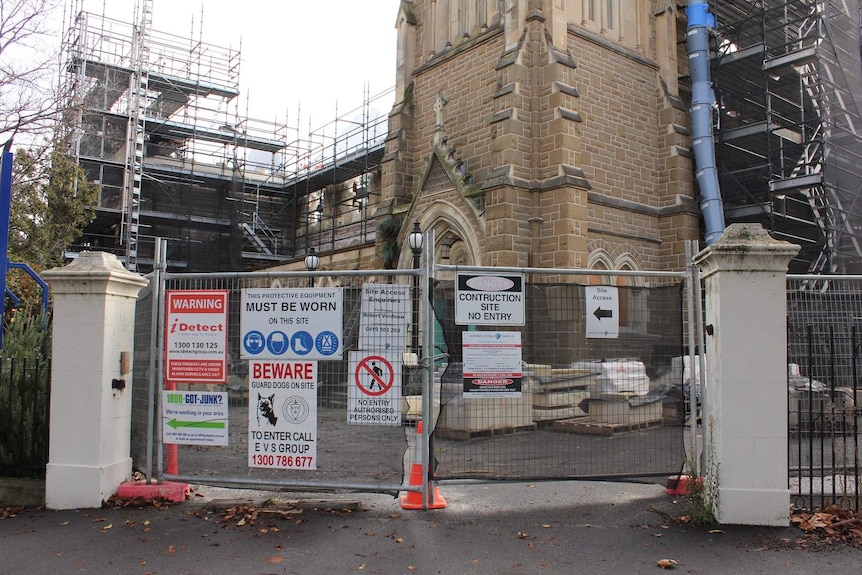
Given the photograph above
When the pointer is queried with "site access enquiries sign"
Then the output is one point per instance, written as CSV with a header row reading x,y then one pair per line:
x,y
193,418
383,321
291,323
482,299
282,414
196,336
374,388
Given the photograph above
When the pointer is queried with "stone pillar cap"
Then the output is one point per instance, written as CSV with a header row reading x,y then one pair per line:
x,y
746,247
90,268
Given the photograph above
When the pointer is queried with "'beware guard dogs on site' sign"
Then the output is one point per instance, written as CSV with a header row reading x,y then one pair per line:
x,y
482,299
196,336
282,414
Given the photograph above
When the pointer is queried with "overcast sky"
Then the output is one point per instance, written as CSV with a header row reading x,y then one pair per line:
x,y
296,55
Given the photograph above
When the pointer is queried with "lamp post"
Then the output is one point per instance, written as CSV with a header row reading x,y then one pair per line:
x,y
415,241
311,263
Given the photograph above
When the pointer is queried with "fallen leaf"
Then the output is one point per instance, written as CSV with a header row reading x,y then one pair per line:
x,y
716,531
106,527
142,563
394,515
361,567
274,559
65,522
399,540
546,526
99,520
171,549
667,563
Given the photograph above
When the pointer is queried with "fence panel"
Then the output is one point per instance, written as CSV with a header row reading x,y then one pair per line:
x,y
590,406
823,317
24,404
354,449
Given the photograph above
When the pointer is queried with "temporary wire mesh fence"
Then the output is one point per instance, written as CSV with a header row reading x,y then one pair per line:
x,y
610,406
823,319
359,441
589,407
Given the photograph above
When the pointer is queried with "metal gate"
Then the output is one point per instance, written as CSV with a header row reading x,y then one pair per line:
x,y
823,319
610,406
591,405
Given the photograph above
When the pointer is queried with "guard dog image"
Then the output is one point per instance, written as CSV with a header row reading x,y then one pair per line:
x,y
264,408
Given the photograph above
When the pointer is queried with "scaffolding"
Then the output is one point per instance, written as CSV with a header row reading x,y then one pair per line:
x,y
155,120
787,79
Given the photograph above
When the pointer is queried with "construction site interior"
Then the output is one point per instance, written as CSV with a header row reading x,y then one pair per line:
x,y
157,123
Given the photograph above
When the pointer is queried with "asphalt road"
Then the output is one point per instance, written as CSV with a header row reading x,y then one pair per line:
x,y
510,528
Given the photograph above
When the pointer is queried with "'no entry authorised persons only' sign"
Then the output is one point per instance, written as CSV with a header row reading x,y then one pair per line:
x,y
374,394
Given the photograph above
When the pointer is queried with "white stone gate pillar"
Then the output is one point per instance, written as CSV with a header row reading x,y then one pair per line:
x,y
745,417
90,421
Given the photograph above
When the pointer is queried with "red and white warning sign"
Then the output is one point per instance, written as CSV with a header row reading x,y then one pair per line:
x,y
196,336
374,390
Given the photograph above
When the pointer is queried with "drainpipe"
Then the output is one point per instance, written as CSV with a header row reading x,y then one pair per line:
x,y
702,103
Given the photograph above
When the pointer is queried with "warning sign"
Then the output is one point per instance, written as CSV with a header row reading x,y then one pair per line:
x,y
282,414
196,336
489,299
291,323
374,396
492,363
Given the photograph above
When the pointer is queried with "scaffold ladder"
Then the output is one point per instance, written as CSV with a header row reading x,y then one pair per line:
x,y
135,148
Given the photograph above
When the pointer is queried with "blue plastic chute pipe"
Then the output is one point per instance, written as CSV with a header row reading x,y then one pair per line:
x,y
702,103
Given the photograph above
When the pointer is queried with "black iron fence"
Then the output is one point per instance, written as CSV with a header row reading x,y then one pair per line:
x,y
823,391
24,401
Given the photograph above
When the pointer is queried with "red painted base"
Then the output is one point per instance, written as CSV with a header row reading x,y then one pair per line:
x,y
167,491
680,484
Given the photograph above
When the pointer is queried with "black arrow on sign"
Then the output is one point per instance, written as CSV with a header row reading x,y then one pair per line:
x,y
600,313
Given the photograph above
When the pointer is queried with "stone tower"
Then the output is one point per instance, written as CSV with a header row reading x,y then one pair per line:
x,y
544,133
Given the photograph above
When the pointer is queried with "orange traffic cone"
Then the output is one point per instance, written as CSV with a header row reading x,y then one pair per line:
x,y
413,499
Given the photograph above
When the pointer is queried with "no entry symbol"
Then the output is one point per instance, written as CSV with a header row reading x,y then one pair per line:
x,y
374,375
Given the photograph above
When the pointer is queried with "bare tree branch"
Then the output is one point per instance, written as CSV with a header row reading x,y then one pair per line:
x,y
29,101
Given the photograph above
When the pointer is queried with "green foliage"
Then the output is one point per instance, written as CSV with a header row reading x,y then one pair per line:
x,y
26,337
24,392
52,202
702,495
387,235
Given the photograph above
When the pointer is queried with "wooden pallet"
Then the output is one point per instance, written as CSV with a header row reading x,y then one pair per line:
x,y
589,426
462,434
